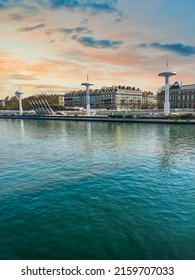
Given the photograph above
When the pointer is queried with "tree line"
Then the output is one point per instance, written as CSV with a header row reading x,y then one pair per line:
x,y
12,104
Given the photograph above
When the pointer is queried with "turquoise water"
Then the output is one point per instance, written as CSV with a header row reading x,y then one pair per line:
x,y
81,190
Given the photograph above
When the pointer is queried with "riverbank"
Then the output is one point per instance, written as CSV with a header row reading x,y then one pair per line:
x,y
100,119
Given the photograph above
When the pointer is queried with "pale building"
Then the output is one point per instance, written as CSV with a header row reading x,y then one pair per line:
x,y
148,100
181,96
3,101
110,98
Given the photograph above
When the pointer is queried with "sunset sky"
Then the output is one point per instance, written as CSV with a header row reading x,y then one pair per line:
x,y
53,44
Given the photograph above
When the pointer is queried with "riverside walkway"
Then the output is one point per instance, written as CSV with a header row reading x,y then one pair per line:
x,y
99,119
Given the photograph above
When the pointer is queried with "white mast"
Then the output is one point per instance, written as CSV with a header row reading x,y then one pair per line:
x,y
166,75
87,85
18,93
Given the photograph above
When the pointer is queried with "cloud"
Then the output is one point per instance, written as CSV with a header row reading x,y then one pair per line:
x,y
16,16
46,87
85,21
142,45
90,42
179,48
22,77
19,3
73,30
118,20
31,28
94,5
105,6
6,3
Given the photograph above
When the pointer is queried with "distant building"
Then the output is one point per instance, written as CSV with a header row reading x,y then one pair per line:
x,y
60,100
110,98
181,96
3,101
148,100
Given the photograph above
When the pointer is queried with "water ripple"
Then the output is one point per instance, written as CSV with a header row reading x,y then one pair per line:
x,y
77,190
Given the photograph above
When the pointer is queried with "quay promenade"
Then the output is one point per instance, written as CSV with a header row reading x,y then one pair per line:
x,y
100,119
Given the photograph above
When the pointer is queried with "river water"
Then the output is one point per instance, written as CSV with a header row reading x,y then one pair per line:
x,y
94,190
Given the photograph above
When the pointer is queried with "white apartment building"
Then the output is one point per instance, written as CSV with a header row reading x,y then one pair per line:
x,y
110,98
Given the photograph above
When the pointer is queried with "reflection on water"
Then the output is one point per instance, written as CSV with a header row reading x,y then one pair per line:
x,y
121,143
22,128
81,190
177,142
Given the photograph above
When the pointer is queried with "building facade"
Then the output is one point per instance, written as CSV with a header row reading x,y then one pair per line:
x,y
180,96
148,100
110,98
4,101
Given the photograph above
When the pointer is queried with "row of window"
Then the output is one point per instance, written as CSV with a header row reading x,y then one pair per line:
x,y
183,106
182,97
